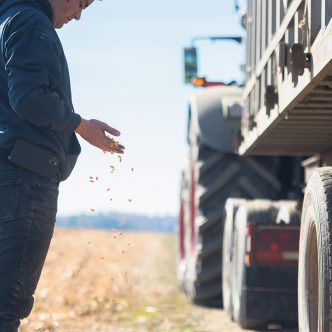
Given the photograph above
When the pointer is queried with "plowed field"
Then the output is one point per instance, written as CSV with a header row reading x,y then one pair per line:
x,y
112,281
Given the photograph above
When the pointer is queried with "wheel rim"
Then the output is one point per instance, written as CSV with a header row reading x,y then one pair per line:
x,y
313,295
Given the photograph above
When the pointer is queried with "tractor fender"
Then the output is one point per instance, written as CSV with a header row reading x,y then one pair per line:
x,y
214,118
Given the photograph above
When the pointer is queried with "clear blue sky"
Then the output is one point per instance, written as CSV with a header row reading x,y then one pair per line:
x,y
125,60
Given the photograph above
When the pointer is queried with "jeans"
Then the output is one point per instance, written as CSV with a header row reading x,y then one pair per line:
x,y
28,206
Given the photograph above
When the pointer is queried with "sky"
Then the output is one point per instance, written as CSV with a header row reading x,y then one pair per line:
x,y
126,65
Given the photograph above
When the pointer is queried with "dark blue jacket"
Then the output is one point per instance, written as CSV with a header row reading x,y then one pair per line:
x,y
35,94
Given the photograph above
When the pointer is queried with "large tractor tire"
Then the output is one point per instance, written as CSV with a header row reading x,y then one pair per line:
x,y
315,261
214,177
215,173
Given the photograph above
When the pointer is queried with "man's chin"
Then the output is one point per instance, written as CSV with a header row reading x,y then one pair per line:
x,y
58,25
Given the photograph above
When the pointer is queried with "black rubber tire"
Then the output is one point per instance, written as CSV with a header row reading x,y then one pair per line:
x,y
231,208
250,212
315,261
218,176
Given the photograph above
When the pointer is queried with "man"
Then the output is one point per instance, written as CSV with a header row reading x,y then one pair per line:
x,y
38,146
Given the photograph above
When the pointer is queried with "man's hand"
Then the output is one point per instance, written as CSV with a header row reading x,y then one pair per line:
x,y
93,131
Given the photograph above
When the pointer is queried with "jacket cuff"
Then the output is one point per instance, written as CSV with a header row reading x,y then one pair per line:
x,y
74,122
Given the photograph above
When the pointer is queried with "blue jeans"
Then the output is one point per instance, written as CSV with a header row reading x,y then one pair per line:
x,y
28,206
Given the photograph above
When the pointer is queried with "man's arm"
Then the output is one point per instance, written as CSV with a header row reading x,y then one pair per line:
x,y
34,70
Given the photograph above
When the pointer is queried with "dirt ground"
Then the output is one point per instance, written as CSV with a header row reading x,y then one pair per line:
x,y
116,282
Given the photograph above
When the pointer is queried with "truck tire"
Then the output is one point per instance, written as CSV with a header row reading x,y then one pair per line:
x,y
216,176
254,212
231,208
315,262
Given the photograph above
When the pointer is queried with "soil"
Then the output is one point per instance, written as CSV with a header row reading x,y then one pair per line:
x,y
116,282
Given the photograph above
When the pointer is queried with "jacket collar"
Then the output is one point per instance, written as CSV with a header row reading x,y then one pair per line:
x,y
43,5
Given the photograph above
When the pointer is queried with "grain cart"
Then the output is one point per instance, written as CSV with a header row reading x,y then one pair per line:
x,y
233,246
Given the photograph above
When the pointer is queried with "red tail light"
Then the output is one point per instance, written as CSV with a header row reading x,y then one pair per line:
x,y
274,245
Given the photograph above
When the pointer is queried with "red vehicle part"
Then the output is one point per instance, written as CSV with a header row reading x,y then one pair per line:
x,y
272,245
